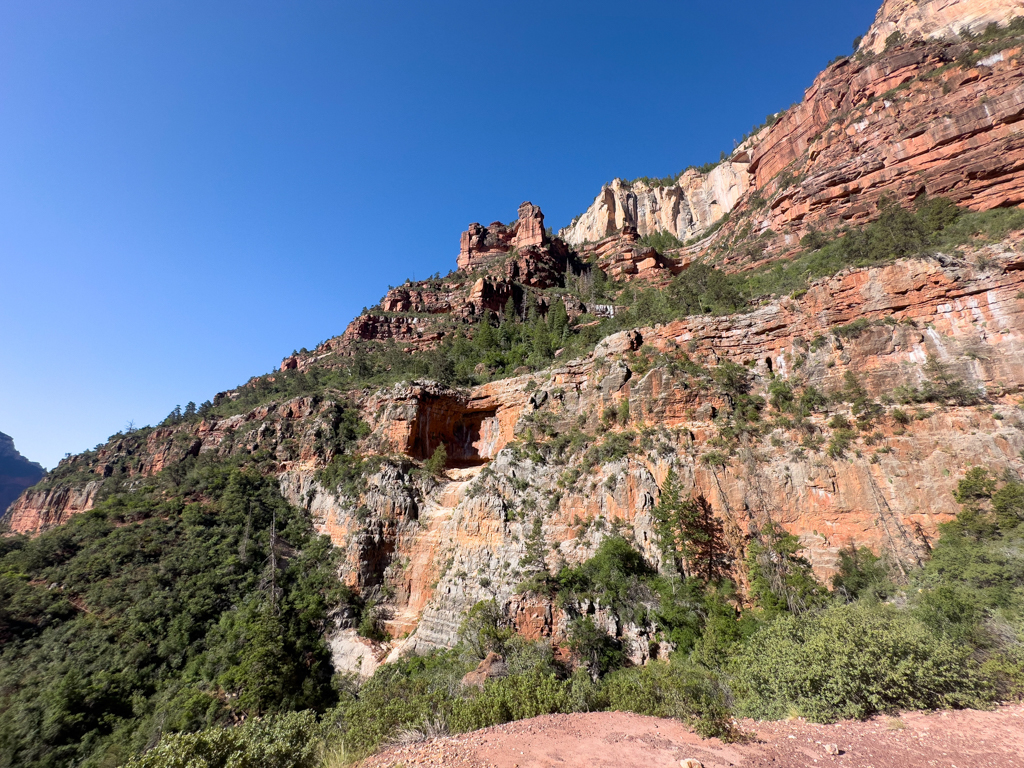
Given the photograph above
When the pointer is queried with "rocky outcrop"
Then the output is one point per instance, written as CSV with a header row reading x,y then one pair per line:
x,y
39,509
621,257
686,208
492,666
16,472
933,115
498,263
355,655
481,246
931,19
287,430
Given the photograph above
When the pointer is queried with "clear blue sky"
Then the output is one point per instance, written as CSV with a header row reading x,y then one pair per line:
x,y
191,190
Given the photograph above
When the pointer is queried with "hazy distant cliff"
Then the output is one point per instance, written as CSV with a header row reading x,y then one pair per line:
x,y
16,472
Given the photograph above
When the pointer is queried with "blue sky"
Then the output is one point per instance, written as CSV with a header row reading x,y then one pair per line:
x,y
191,190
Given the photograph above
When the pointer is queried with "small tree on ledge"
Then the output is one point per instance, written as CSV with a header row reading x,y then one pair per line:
x,y
436,463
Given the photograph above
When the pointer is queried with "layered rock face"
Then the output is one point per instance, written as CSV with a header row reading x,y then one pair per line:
x,y
39,509
686,208
854,138
932,115
437,546
621,257
481,246
466,538
931,19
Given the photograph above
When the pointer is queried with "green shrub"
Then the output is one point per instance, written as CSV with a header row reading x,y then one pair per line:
x,y
862,574
840,443
781,395
853,661
661,241
438,460
852,330
715,459
780,578
485,629
811,400
293,740
598,650
512,698
683,692
839,422
370,625
400,695
613,575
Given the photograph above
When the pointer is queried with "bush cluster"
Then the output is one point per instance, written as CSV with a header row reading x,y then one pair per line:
x,y
950,636
180,605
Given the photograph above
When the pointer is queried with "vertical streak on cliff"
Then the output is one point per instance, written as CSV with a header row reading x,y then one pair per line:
x,y
889,518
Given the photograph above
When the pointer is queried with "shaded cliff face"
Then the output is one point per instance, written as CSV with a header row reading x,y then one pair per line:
x,y
16,472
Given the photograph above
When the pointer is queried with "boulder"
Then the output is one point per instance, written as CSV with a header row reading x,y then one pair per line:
x,y
491,667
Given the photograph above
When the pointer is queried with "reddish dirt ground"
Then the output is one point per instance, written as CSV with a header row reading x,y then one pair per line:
x,y
962,739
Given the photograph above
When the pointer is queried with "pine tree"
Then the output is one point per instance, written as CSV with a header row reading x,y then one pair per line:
x,y
485,337
780,579
436,463
666,515
692,539
510,315
704,539
558,322
541,340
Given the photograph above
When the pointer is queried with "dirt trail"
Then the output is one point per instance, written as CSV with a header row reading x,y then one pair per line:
x,y
963,739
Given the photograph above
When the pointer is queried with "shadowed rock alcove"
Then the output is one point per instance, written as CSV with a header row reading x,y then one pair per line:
x,y
471,437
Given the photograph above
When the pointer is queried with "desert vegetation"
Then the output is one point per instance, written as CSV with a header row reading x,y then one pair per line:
x,y
156,622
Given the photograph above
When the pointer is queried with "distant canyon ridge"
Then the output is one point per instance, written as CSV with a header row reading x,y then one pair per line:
x,y
16,472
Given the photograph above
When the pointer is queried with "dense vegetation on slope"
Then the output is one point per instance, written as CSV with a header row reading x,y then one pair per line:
x,y
203,598
869,646
188,602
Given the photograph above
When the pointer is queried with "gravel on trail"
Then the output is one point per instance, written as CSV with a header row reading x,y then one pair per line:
x,y
956,739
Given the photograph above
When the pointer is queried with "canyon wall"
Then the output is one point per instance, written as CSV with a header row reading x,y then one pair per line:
x,y
931,115
936,19
552,461
429,548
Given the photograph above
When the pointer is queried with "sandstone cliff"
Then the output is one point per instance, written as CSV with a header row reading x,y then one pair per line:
x,y
686,208
932,19
929,114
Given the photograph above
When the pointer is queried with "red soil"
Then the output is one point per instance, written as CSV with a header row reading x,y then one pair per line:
x,y
962,739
